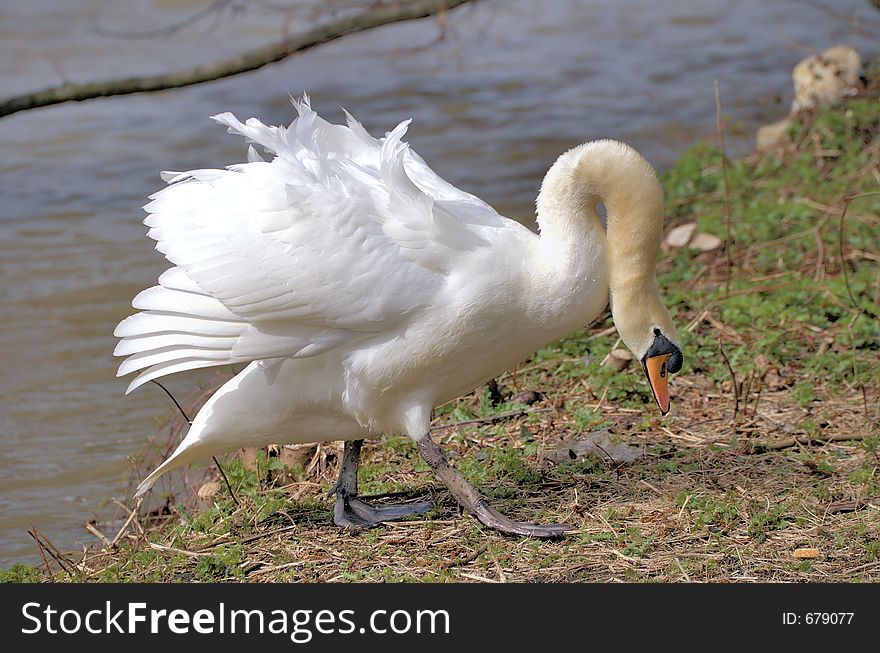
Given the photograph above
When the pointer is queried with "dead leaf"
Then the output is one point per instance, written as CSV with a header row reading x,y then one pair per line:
x,y
527,397
209,490
771,376
592,443
776,381
618,359
681,235
705,242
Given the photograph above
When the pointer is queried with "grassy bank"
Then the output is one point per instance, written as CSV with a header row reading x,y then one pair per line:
x,y
766,470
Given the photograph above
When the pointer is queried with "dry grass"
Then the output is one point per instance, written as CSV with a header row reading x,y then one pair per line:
x,y
700,505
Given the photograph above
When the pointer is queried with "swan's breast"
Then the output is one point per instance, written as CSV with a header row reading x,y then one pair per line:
x,y
489,318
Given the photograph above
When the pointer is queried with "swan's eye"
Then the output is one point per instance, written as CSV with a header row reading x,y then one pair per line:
x,y
662,345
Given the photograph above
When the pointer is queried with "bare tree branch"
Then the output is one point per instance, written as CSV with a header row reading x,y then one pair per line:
x,y
215,7
375,17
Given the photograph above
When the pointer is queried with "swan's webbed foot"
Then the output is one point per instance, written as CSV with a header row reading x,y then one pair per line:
x,y
354,514
476,503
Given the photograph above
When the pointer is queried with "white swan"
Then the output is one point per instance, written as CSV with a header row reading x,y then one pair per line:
x,y
363,290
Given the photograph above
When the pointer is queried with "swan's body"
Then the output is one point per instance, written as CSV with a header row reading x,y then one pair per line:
x,y
363,290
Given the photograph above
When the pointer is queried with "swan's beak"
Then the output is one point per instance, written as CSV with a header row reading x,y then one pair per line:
x,y
657,370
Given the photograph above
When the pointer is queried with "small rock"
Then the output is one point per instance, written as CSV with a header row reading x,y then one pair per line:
x,y
826,76
622,354
806,553
681,235
818,79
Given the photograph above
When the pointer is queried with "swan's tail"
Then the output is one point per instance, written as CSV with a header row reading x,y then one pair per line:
x,y
185,453
203,438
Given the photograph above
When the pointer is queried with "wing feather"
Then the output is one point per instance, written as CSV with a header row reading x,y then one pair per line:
x,y
340,236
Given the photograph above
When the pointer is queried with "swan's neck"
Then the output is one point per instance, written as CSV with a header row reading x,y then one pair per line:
x,y
572,233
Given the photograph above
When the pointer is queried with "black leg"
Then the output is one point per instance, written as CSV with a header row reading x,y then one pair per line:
x,y
352,513
475,502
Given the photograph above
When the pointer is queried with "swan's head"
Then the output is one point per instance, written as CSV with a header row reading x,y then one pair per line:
x,y
647,330
662,359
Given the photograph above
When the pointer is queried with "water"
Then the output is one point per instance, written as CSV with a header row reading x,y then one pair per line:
x,y
507,89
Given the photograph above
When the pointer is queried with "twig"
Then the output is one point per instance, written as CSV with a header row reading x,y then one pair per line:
x,y
131,516
502,577
733,380
604,332
804,439
747,389
46,545
168,30
330,31
625,557
758,398
52,548
457,562
482,579
136,522
855,368
41,551
170,550
94,531
253,538
681,569
850,506
651,487
719,131
286,565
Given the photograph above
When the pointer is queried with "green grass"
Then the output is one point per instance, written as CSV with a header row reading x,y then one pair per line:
x,y
19,573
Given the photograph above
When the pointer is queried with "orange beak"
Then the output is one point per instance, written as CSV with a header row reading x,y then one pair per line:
x,y
658,378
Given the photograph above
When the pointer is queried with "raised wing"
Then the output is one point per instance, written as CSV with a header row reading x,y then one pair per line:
x,y
339,237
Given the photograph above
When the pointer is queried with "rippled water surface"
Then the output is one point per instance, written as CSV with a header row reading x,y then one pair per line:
x,y
508,87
